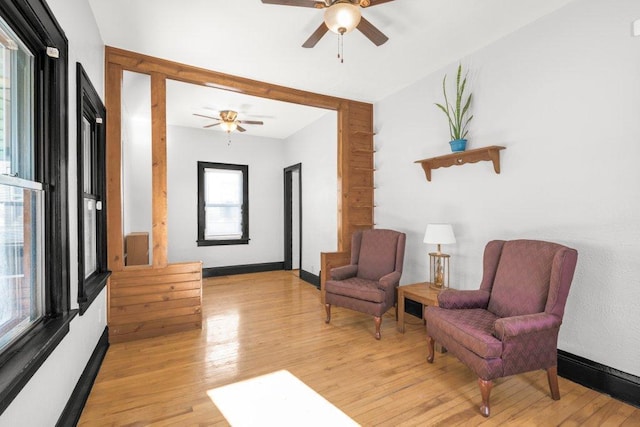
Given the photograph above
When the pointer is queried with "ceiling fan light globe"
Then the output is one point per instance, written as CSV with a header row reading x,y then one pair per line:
x,y
342,18
228,126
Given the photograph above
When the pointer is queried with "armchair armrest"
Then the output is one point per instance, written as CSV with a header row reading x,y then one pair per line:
x,y
391,280
344,272
527,324
453,298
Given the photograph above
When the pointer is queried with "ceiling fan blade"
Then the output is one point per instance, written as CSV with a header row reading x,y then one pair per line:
x,y
206,117
211,125
377,2
316,36
250,122
371,32
241,129
300,3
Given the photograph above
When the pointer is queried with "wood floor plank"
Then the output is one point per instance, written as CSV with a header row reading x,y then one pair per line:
x,y
255,324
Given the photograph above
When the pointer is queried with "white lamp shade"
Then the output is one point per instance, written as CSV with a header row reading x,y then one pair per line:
x,y
228,126
439,234
342,18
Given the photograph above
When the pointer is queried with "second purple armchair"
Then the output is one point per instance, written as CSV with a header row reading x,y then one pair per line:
x,y
511,324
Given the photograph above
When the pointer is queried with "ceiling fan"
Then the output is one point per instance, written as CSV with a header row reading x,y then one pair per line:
x,y
228,121
341,17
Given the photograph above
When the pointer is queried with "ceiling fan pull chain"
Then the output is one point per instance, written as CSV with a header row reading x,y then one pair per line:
x,y
341,47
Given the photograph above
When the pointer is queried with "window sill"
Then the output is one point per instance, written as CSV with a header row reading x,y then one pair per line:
x,y
92,289
223,242
24,358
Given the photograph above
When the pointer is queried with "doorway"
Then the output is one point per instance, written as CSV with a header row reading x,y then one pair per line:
x,y
293,217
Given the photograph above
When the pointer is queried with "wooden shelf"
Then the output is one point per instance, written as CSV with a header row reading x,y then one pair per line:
x,y
491,153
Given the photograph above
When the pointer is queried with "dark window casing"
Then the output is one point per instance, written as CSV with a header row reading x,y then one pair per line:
x,y
202,241
90,106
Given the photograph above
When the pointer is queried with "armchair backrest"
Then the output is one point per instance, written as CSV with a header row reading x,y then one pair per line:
x,y
377,252
527,277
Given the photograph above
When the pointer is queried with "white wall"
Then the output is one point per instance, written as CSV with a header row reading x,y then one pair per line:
x,y
42,400
185,147
315,147
562,95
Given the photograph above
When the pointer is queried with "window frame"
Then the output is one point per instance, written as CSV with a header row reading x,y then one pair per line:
x,y
90,105
202,240
35,24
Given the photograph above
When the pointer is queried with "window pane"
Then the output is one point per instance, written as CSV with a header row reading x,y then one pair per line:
x,y
223,187
21,298
87,154
223,222
223,204
16,101
90,229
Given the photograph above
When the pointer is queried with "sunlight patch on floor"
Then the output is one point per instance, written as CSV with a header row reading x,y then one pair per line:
x,y
278,398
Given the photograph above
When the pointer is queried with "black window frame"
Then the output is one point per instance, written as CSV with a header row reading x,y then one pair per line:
x,y
35,24
90,105
202,241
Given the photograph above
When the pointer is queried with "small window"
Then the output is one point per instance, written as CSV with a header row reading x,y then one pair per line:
x,y
223,204
92,241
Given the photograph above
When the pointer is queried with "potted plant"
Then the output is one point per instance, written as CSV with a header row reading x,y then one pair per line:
x,y
457,113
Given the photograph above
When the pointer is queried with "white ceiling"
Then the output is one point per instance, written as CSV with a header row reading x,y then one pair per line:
x,y
263,42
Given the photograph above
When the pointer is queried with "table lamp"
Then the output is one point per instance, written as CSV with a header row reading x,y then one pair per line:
x,y
439,234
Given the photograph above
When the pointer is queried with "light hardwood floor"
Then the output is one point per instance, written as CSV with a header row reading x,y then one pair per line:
x,y
255,324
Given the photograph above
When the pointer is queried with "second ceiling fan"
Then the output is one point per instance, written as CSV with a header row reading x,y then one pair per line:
x,y
341,17
228,121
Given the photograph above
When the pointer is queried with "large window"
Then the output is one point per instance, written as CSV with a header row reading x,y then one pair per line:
x,y
223,204
34,242
92,241
21,194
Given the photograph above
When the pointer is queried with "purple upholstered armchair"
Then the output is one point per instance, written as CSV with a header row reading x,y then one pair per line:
x,y
369,283
510,325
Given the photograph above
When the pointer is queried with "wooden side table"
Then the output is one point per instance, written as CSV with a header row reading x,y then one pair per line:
x,y
419,292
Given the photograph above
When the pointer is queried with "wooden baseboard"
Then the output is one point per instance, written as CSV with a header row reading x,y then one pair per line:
x,y
72,411
241,269
310,278
602,378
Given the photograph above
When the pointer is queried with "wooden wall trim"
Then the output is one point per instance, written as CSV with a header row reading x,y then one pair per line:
x,y
159,169
186,73
113,104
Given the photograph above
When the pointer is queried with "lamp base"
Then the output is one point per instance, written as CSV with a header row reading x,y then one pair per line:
x,y
436,286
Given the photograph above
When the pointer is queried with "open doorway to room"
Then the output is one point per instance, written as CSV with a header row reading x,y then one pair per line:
x,y
293,217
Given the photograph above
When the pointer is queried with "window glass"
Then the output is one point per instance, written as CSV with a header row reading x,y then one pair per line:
x,y
223,204
90,241
87,156
16,106
21,196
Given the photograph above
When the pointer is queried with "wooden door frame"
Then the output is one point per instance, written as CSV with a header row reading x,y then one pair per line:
x,y
288,215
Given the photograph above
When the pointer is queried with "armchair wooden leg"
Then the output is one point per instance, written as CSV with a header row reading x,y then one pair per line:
x,y
485,391
378,321
327,308
430,348
552,376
